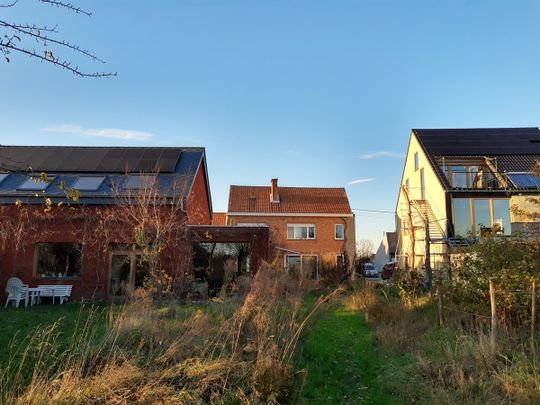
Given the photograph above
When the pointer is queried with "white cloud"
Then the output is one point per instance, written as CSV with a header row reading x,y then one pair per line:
x,y
382,153
360,181
126,134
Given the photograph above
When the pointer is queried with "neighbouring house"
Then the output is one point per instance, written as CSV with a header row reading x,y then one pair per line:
x,y
309,227
386,252
459,185
56,236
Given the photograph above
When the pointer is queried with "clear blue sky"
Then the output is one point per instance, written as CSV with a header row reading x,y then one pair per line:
x,y
316,93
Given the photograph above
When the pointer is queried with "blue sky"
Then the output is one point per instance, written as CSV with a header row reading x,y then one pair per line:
x,y
316,93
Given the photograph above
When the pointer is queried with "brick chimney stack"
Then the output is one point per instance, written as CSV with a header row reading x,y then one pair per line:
x,y
274,191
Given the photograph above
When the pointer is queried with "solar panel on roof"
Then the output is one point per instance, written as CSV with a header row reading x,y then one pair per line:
x,y
137,182
3,176
524,180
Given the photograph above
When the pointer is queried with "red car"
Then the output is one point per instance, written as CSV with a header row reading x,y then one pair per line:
x,y
388,270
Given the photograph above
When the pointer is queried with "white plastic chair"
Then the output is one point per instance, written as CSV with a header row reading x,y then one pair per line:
x,y
16,291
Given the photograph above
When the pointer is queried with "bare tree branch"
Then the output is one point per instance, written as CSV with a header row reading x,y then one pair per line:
x,y
68,6
13,40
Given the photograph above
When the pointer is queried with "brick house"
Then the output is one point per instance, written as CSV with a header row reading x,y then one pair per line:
x,y
61,245
309,227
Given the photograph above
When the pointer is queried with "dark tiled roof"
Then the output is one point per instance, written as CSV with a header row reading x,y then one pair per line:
x,y
73,159
298,200
480,141
176,176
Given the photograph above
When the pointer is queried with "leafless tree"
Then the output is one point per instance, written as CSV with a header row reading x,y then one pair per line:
x,y
364,248
41,42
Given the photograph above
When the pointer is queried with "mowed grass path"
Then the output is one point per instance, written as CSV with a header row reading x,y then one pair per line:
x,y
342,361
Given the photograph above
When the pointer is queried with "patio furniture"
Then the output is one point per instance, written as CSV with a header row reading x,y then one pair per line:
x,y
16,291
33,295
62,292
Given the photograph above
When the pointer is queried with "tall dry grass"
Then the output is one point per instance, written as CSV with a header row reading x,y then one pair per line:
x,y
236,351
452,364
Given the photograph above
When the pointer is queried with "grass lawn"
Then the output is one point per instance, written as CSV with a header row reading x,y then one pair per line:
x,y
18,324
342,361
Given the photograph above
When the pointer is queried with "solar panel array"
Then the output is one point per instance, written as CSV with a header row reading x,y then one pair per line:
x,y
482,141
91,159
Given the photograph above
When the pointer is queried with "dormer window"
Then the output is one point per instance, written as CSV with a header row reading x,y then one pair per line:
x,y
88,183
34,183
140,181
465,175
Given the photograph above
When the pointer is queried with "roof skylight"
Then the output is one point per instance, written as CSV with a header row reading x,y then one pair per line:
x,y
35,184
88,183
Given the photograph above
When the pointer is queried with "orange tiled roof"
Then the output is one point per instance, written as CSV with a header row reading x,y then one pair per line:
x,y
297,200
219,218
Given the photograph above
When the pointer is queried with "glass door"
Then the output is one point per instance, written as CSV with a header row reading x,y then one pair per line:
x,y
120,275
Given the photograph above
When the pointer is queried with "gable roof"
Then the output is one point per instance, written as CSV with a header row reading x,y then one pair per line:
x,y
509,149
175,167
391,240
293,200
480,141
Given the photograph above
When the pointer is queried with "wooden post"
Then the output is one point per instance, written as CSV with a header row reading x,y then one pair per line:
x,y
493,336
533,314
440,307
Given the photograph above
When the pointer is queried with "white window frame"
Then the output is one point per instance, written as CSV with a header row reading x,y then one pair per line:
x,y
301,256
307,226
335,231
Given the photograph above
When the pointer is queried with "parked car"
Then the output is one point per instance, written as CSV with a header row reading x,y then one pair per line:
x,y
370,270
388,270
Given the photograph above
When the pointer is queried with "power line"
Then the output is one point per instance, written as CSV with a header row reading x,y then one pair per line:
x,y
378,211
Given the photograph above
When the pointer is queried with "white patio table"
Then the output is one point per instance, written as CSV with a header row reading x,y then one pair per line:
x,y
33,294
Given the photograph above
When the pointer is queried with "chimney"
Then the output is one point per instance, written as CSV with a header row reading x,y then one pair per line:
x,y
274,192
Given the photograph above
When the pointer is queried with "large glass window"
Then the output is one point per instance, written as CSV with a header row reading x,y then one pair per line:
x,y
58,260
300,231
462,217
307,265
482,216
501,217
485,215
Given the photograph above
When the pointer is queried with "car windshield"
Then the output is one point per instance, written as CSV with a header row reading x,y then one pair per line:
x,y
369,266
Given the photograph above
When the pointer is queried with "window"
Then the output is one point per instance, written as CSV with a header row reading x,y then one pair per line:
x,y
339,260
137,182
462,217
58,260
35,184
340,231
306,265
416,161
407,187
88,183
422,184
524,180
3,176
476,217
300,231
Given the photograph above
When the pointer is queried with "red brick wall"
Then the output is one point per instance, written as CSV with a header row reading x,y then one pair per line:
x,y
198,204
324,245
94,279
